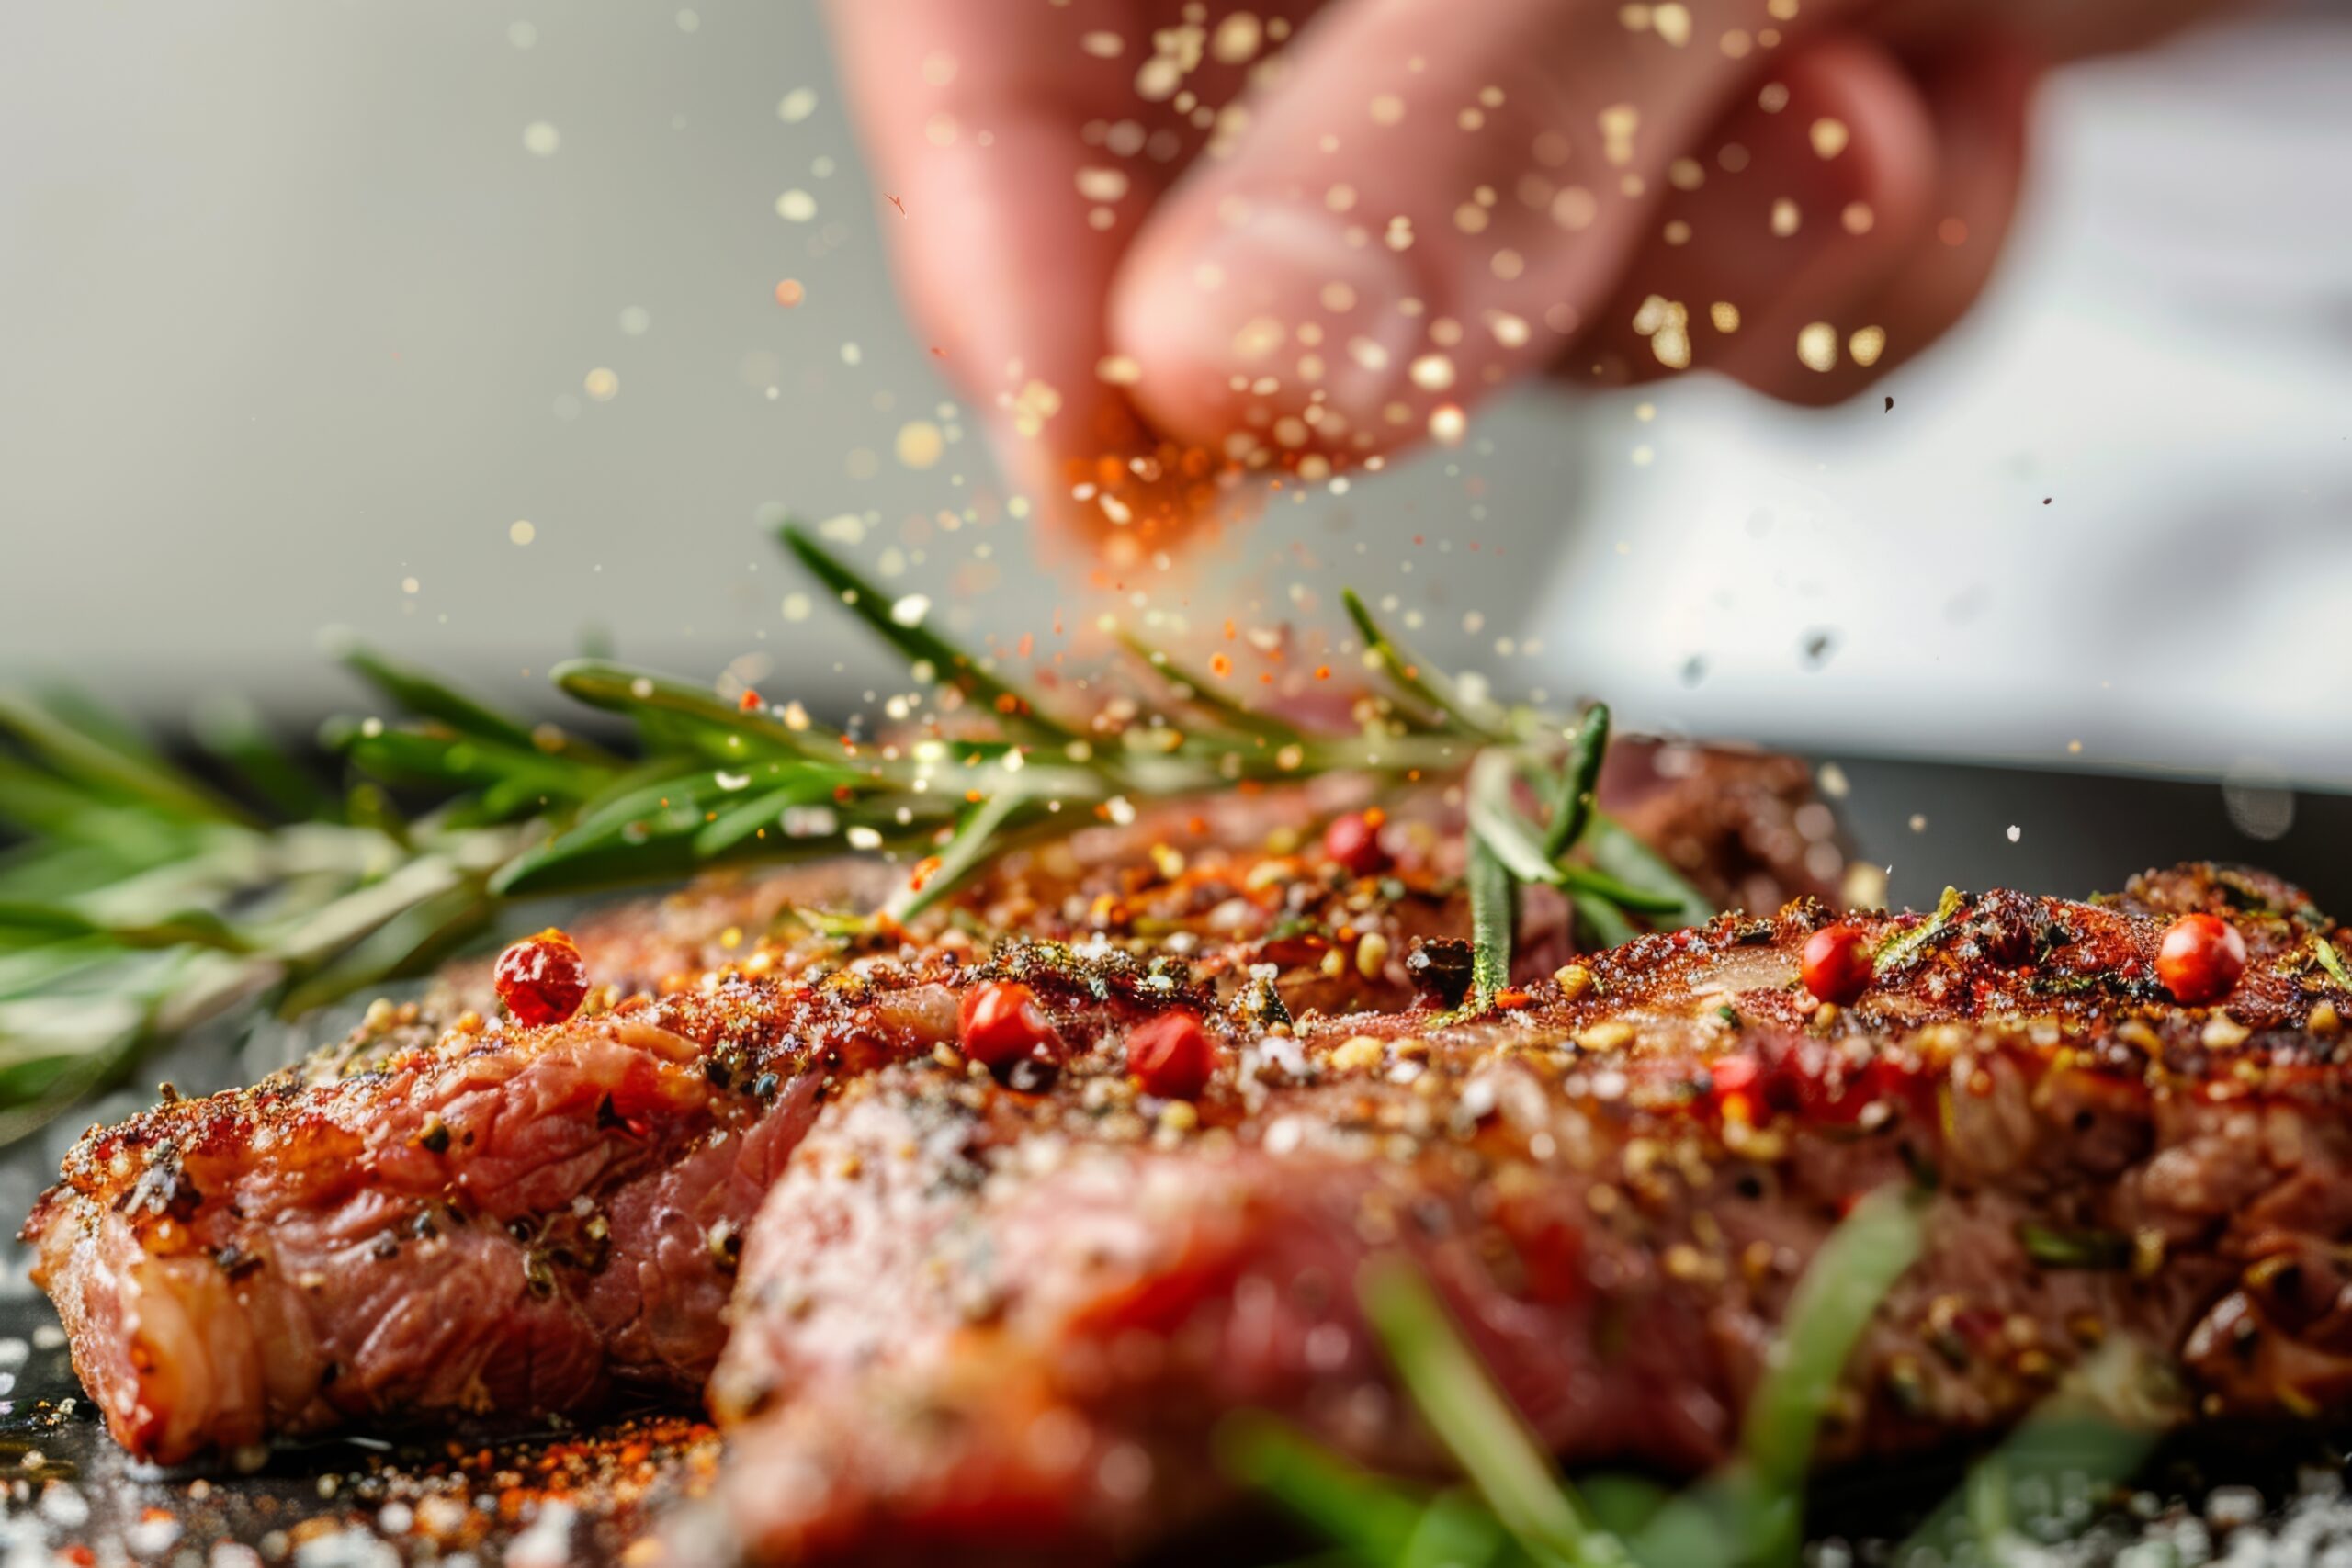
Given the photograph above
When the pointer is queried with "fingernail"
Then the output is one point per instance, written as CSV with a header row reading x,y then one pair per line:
x,y
1251,286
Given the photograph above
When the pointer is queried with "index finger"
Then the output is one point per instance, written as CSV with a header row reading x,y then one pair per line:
x,y
975,113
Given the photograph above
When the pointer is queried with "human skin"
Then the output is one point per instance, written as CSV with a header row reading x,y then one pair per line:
x,y
1237,286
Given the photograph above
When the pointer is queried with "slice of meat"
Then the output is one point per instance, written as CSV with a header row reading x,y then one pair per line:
x,y
508,1222
972,1321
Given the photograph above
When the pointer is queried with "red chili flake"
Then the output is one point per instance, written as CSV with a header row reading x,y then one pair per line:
x,y
1172,1055
2200,959
1353,842
748,702
1838,964
1000,1026
542,978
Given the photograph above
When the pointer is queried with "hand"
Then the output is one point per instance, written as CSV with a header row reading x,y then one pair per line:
x,y
1295,235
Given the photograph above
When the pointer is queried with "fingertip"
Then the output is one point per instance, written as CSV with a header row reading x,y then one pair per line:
x,y
1234,321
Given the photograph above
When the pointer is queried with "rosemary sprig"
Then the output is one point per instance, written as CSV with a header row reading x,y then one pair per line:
x,y
1508,850
144,898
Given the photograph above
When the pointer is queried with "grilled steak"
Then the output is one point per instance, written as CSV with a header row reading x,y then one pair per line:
x,y
972,1319
443,1217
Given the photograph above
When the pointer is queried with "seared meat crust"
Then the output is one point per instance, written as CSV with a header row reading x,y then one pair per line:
x,y
978,1320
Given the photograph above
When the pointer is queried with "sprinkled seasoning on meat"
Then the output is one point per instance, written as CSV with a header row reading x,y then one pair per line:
x,y
976,1320
440,1217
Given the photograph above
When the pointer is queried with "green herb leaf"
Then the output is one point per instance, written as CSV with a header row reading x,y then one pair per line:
x,y
1624,895
232,730
197,928
90,753
1374,1518
973,840
1617,852
1840,1292
1478,1425
1196,691
724,730
1495,820
2332,961
1423,682
1600,924
1492,900
1572,805
950,665
427,695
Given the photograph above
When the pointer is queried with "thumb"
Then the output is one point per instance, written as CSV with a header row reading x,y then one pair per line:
x,y
1433,199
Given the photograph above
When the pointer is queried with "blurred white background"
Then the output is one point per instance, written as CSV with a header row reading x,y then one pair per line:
x,y
304,307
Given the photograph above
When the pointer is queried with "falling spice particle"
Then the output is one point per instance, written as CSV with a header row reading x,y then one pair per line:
x,y
920,443
602,384
1830,137
789,293
795,206
541,138
1817,347
521,531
